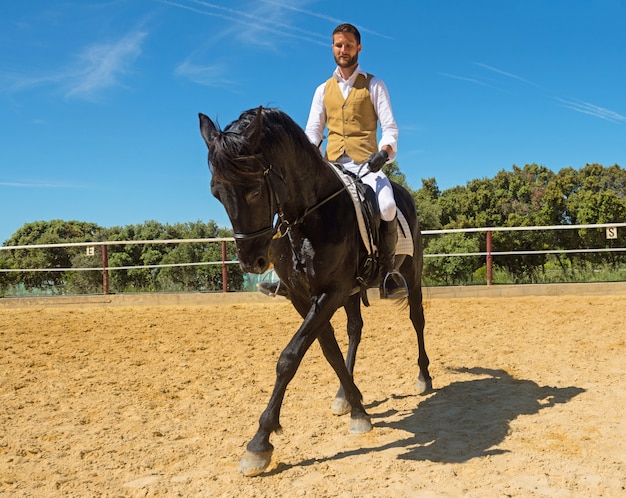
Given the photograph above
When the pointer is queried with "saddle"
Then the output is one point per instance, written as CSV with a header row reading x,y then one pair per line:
x,y
368,219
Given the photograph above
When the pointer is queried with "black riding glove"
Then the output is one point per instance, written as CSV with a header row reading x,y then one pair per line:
x,y
377,160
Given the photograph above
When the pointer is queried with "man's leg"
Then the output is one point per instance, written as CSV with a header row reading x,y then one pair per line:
x,y
392,283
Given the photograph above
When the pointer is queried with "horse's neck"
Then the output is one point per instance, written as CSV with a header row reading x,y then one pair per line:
x,y
311,183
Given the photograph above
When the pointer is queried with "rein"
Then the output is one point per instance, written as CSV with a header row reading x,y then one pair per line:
x,y
284,226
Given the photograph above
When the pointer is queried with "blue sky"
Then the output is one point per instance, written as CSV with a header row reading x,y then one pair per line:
x,y
99,99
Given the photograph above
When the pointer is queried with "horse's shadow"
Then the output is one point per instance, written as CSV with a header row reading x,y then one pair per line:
x,y
468,419
463,420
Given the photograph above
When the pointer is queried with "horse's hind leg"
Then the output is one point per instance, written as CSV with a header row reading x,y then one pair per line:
x,y
340,404
424,381
360,421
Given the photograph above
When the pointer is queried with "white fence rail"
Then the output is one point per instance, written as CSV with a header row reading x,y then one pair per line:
x,y
489,253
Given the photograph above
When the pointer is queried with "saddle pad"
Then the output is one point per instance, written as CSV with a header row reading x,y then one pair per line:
x,y
404,245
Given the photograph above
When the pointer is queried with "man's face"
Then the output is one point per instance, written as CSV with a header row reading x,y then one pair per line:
x,y
345,49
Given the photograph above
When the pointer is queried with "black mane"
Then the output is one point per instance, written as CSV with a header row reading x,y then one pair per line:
x,y
231,151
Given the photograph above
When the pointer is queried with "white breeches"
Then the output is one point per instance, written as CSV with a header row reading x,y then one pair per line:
x,y
379,183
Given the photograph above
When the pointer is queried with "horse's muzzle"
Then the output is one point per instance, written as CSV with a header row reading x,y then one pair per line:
x,y
254,263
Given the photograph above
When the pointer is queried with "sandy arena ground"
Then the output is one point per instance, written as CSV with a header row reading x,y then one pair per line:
x,y
133,401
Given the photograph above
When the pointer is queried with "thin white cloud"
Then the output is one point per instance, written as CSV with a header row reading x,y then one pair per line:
x,y
39,185
258,22
505,73
214,75
233,15
324,17
100,66
571,104
97,67
254,26
591,110
302,11
464,78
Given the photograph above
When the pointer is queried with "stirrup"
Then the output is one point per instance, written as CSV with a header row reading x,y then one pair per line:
x,y
271,289
399,291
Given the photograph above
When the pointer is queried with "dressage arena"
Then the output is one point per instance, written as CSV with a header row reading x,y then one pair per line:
x,y
158,397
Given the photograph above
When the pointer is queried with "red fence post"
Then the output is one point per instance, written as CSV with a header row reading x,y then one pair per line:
x,y
105,270
224,270
489,257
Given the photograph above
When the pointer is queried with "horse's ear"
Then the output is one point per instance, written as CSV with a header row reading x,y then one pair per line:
x,y
254,131
207,128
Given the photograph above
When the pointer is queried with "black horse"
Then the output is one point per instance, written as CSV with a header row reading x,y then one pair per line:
x,y
289,208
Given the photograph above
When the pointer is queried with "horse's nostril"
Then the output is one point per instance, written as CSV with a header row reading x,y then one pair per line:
x,y
261,263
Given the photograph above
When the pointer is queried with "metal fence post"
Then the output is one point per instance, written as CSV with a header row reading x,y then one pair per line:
x,y
105,269
489,258
224,269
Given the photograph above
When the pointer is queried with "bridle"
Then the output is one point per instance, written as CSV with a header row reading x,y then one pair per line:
x,y
284,226
273,198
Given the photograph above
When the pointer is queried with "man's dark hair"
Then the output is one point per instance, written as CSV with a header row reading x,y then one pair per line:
x,y
348,28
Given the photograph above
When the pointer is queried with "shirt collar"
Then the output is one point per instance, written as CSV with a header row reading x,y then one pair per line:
x,y
351,79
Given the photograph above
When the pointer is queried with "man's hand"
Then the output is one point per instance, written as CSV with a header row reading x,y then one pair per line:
x,y
377,160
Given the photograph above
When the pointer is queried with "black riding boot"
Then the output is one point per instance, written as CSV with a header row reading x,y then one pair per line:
x,y
392,283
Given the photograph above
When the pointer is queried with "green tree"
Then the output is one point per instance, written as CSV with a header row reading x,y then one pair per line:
x,y
48,232
535,196
7,279
521,201
136,279
426,203
190,277
201,277
85,281
596,195
452,269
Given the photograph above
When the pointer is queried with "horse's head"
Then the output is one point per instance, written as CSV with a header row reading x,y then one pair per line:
x,y
243,181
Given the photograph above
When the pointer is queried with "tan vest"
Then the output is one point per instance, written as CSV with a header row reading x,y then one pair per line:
x,y
351,122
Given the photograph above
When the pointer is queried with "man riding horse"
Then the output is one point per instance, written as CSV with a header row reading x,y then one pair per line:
x,y
351,104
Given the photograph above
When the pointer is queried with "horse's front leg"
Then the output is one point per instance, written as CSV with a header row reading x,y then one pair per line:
x,y
259,450
316,316
352,308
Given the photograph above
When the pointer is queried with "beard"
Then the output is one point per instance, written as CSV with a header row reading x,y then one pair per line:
x,y
352,61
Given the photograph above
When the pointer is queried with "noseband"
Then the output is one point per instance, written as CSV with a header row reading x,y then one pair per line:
x,y
284,226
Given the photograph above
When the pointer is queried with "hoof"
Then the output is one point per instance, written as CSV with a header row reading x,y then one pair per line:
x,y
424,386
340,406
253,464
360,425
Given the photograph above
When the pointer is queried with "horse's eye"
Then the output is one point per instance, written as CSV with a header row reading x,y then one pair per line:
x,y
253,196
